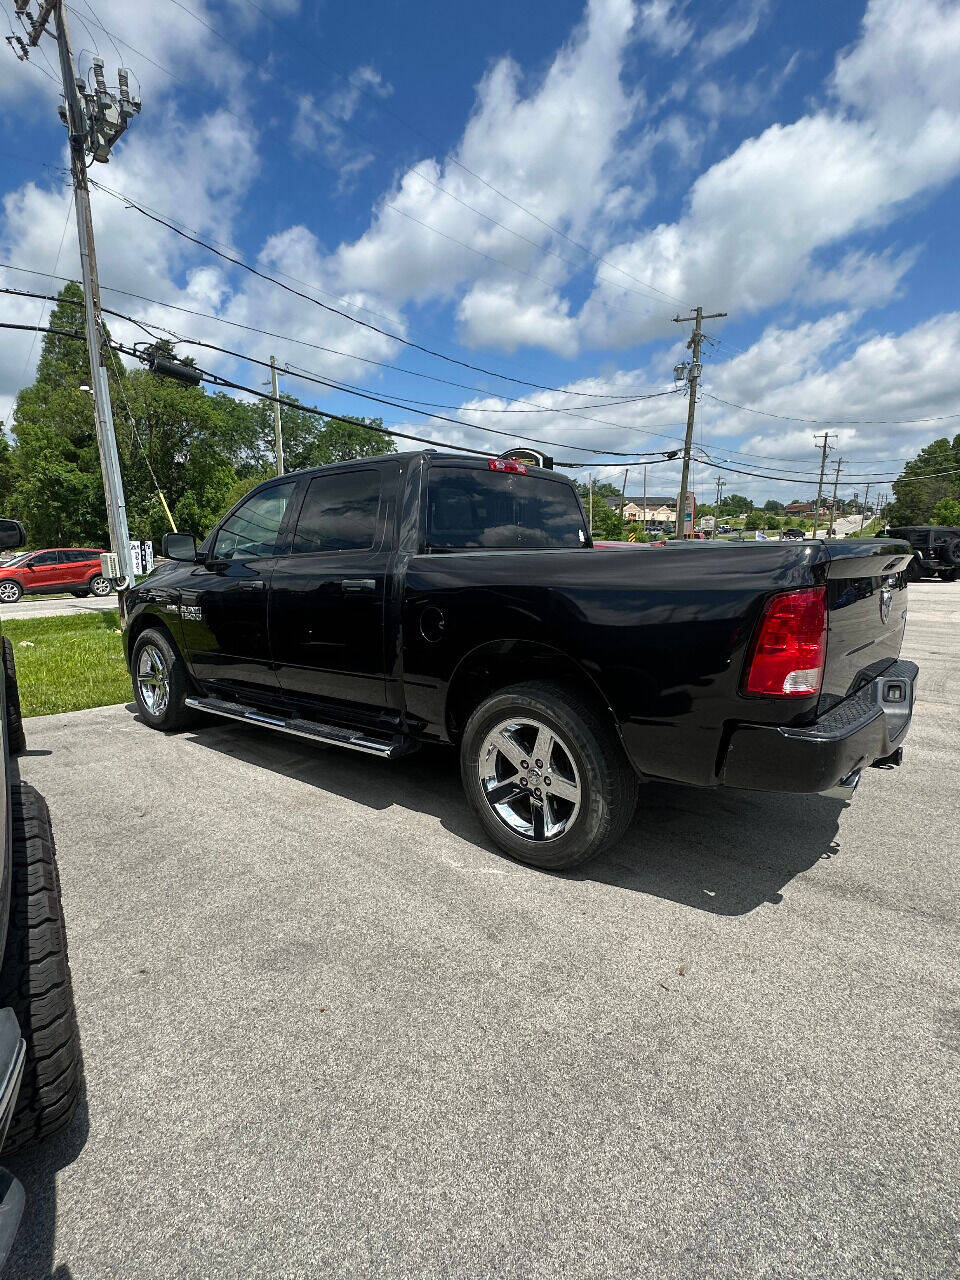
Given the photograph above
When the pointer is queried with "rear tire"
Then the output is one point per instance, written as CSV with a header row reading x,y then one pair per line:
x,y
951,553
585,757
99,586
160,682
35,979
948,575
16,738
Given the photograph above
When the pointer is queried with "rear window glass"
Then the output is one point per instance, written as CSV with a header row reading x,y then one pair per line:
x,y
490,509
340,512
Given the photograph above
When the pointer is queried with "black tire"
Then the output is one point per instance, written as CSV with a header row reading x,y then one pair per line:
x,y
174,715
99,586
913,571
81,595
948,575
15,590
951,553
16,738
35,979
608,785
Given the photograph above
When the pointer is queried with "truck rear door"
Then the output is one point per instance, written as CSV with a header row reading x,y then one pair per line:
x,y
867,611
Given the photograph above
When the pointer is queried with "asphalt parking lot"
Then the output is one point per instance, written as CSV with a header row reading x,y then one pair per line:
x,y
328,1031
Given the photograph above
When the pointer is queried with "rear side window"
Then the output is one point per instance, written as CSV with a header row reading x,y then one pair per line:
x,y
252,530
492,509
340,512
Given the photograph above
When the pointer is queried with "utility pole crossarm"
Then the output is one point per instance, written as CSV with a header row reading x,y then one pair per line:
x,y
693,378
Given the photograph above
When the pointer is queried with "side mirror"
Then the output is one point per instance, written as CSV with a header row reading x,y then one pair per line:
x,y
11,534
179,546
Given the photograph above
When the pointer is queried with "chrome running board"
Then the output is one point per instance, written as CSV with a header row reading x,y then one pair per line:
x,y
330,735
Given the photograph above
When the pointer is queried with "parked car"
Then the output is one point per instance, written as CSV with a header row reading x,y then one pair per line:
x,y
791,535
936,550
40,1066
62,569
383,603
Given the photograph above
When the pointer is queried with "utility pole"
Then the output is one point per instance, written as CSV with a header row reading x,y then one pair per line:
x,y
644,499
823,466
863,509
95,118
833,504
720,483
623,494
590,478
693,378
277,429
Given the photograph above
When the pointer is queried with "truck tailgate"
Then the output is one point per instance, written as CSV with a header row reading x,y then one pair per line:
x,y
867,610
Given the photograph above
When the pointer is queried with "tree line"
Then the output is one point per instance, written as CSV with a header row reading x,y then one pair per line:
x,y
205,450
927,492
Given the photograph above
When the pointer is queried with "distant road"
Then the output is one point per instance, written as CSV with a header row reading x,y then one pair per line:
x,y
52,606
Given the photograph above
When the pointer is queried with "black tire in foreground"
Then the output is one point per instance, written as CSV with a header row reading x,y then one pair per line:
x,y
546,775
160,682
16,738
35,979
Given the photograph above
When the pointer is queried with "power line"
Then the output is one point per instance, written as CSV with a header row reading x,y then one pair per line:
x,y
837,422
263,275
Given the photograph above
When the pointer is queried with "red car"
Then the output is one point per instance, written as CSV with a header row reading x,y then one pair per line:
x,y
72,569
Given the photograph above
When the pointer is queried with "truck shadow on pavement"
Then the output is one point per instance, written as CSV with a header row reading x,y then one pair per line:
x,y
31,1257
723,851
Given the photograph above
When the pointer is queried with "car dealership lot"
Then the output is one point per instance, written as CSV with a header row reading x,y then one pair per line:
x,y
329,1031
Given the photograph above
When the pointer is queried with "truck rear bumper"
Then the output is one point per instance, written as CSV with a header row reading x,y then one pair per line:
x,y
862,730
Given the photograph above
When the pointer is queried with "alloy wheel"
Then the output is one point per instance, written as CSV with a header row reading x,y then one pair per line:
x,y
153,680
9,592
529,779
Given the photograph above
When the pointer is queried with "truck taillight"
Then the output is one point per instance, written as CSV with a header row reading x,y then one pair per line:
x,y
790,645
506,464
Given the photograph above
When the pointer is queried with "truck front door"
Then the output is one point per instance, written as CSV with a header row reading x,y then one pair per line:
x,y
223,607
327,596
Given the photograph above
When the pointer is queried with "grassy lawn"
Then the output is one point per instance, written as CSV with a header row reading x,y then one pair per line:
x,y
68,663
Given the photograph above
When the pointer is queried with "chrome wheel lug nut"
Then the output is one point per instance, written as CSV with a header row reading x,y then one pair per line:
x,y
536,791
539,764
524,764
546,782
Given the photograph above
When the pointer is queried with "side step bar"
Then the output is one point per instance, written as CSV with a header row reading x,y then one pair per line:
x,y
329,734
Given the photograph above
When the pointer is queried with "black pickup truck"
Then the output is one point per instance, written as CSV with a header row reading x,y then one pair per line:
x,y
382,603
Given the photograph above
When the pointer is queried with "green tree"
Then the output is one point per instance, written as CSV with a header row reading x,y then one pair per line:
x,y
57,489
921,486
755,520
607,524
773,506
947,511
735,504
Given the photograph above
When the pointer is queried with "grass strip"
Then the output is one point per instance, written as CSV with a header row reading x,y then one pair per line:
x,y
69,663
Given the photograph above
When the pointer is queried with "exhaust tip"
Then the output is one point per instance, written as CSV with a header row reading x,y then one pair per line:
x,y
845,788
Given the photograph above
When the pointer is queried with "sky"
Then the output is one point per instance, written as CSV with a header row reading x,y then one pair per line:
x,y
532,193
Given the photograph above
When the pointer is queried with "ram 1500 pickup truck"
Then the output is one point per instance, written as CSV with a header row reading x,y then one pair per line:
x,y
422,597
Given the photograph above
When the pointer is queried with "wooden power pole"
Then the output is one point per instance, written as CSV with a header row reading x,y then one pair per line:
x,y
693,378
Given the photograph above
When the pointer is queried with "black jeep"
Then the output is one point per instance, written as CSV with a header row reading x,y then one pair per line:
x,y
936,551
40,1066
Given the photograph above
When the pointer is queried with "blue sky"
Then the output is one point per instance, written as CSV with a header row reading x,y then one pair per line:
x,y
536,190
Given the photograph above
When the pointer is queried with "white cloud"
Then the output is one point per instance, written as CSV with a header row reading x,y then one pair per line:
x,y
755,220
322,125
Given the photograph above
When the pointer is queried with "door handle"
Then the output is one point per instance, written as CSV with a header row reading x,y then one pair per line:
x,y
354,586
258,584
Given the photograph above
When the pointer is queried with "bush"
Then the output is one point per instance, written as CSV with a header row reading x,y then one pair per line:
x,y
947,511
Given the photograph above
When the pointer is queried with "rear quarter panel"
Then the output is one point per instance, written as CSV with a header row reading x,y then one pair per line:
x,y
661,634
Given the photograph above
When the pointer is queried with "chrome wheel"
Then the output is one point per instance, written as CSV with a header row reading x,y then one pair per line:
x,y
529,779
153,680
100,587
9,592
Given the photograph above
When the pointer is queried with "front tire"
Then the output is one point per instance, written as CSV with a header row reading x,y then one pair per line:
x,y
10,591
100,586
546,775
35,979
160,682
948,575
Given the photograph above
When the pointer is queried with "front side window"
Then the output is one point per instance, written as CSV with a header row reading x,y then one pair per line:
x,y
253,528
340,512
469,509
46,558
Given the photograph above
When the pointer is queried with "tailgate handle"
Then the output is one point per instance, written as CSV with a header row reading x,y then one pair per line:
x,y
354,586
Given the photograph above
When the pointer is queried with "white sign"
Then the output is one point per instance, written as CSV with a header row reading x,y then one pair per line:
x,y
136,552
148,556
708,524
